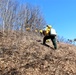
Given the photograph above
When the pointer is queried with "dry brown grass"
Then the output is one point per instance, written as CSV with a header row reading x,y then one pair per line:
x,y
27,56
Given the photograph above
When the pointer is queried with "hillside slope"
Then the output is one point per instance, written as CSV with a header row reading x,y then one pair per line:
x,y
30,57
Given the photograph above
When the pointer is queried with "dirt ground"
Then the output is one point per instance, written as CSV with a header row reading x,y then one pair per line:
x,y
27,56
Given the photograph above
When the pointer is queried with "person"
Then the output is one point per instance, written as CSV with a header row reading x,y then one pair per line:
x,y
47,31
42,32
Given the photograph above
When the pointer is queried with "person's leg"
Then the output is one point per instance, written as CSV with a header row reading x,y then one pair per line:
x,y
53,39
45,38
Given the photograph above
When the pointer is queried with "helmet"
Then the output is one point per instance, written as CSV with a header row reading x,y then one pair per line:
x,y
41,31
49,26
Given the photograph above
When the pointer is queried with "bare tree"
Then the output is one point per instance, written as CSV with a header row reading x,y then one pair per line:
x,y
75,41
8,14
34,18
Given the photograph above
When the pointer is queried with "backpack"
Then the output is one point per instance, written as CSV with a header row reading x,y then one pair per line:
x,y
53,32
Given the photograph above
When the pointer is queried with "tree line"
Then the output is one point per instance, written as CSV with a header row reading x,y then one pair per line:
x,y
15,16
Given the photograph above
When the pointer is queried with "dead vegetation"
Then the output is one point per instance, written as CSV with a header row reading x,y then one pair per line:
x,y
27,56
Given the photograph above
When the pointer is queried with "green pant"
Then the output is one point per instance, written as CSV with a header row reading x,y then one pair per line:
x,y
53,39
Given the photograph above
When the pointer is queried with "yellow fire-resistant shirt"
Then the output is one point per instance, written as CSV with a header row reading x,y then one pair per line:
x,y
47,30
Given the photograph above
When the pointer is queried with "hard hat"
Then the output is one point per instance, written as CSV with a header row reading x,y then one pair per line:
x,y
49,26
41,31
